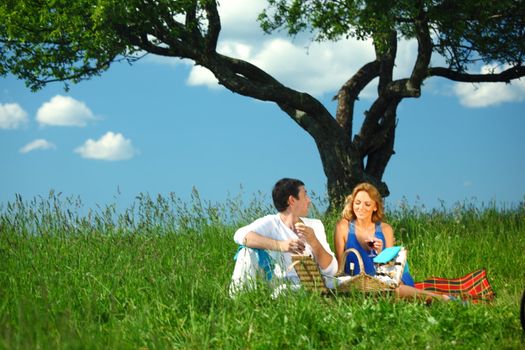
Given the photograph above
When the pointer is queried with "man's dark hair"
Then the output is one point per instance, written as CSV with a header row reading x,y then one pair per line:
x,y
282,190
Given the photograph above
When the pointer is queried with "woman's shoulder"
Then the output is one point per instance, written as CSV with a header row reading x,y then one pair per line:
x,y
385,225
342,224
387,229
343,221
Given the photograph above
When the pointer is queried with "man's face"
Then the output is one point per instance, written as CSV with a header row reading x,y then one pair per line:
x,y
300,205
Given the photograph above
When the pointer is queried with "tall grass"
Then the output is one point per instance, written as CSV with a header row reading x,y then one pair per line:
x,y
156,276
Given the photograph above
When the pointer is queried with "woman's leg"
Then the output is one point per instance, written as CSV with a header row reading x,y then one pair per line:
x,y
407,292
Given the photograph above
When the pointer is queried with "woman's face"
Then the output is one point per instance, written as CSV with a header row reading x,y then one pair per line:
x,y
364,206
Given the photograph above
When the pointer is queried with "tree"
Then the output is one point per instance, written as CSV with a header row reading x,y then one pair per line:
x,y
43,41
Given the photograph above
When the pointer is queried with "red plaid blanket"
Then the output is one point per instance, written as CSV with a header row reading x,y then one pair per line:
x,y
474,286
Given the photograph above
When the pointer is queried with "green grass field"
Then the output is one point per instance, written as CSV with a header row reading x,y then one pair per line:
x,y
156,276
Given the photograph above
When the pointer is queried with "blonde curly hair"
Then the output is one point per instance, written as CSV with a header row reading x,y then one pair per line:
x,y
348,210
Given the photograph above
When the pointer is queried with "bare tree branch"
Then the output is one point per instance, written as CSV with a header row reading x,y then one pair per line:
x,y
504,77
349,93
214,25
424,53
249,80
387,60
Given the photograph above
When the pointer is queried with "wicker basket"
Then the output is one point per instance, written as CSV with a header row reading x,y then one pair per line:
x,y
309,274
361,281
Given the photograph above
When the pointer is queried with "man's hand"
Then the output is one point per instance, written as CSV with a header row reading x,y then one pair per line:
x,y
295,246
306,233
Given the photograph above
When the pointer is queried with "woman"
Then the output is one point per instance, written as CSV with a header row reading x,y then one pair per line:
x,y
361,228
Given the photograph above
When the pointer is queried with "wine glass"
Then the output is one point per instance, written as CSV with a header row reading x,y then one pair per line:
x,y
370,242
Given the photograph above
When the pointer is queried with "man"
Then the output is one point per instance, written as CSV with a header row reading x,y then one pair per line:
x,y
274,238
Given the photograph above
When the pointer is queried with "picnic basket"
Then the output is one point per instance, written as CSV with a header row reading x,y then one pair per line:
x,y
362,281
309,274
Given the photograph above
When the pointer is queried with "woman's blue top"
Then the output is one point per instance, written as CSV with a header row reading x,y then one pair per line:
x,y
352,242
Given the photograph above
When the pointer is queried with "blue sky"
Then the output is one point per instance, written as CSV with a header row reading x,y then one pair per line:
x,y
163,126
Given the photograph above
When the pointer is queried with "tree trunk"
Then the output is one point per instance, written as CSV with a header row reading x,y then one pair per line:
x,y
344,168
347,159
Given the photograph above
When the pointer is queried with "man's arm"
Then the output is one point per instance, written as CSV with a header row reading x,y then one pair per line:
x,y
323,258
320,247
248,236
255,240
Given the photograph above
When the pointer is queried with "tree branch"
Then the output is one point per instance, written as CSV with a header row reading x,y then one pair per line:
x,y
370,125
374,129
79,75
349,93
385,127
401,88
142,42
504,77
387,60
424,53
383,145
214,25
246,79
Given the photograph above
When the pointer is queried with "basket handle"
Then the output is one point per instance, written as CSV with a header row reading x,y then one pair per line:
x,y
292,265
343,261
297,259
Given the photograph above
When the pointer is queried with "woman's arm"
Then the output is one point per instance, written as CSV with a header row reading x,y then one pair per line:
x,y
388,232
340,236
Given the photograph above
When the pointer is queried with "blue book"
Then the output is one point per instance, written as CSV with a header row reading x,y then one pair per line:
x,y
387,254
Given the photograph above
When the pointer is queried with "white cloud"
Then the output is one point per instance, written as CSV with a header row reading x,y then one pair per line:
x,y
489,94
12,116
405,58
202,76
321,68
38,144
110,146
238,18
236,49
313,67
64,111
316,68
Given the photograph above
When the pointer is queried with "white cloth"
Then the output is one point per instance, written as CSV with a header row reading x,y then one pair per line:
x,y
272,226
245,271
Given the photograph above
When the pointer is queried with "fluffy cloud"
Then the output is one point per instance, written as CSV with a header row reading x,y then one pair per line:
x,y
321,68
489,94
238,18
64,111
313,67
110,146
202,76
12,116
38,144
317,69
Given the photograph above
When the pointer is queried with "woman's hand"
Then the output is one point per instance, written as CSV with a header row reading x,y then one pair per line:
x,y
378,245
